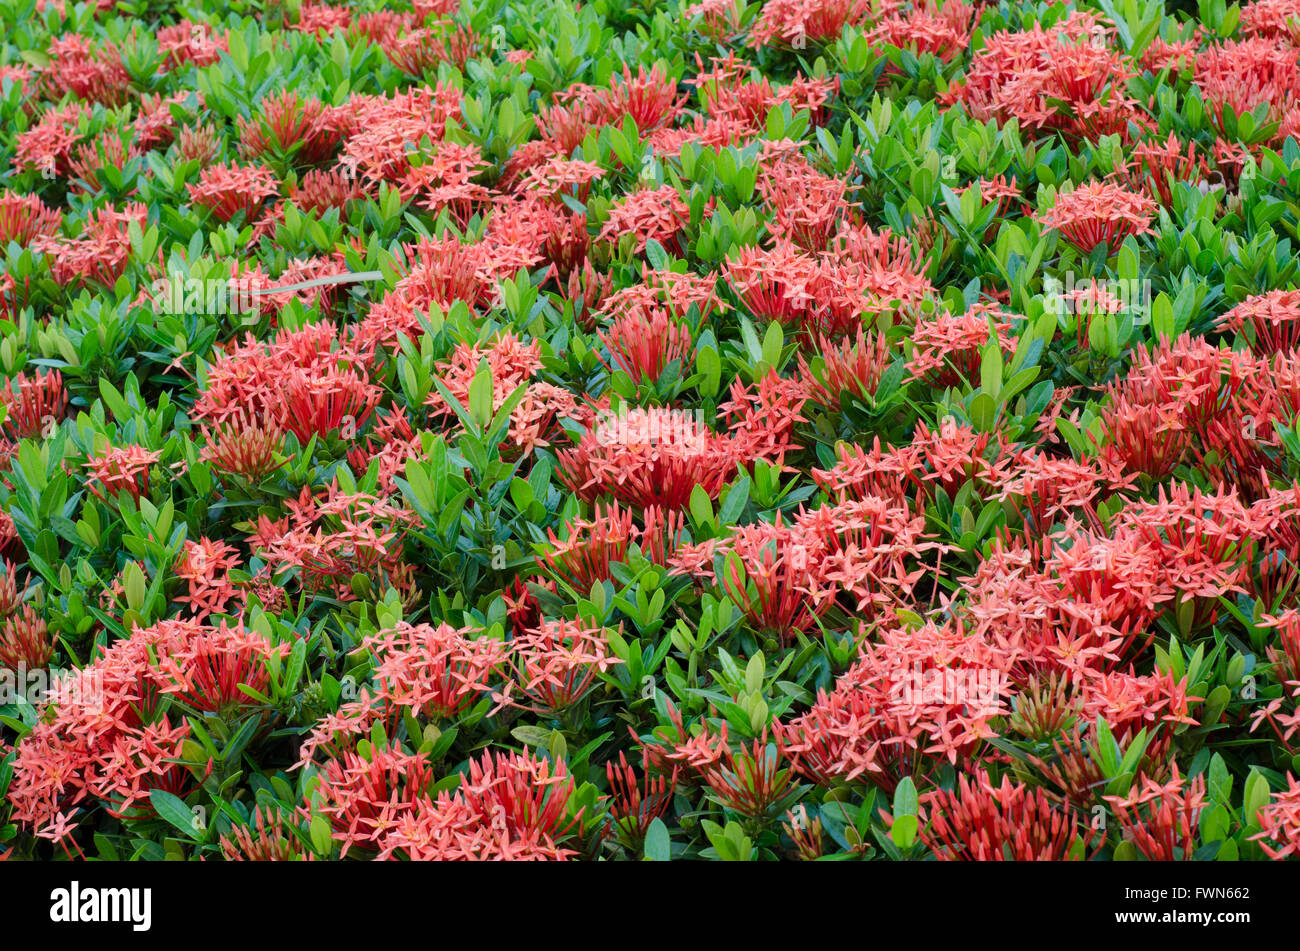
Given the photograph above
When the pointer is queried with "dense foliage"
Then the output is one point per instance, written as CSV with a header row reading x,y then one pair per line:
x,y
852,429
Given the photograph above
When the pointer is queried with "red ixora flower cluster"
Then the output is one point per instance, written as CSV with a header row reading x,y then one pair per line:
x,y
1010,822
1246,75
107,740
227,190
308,382
100,253
434,672
205,567
121,469
1069,78
508,806
865,275
1099,214
25,642
511,363
657,456
915,699
333,536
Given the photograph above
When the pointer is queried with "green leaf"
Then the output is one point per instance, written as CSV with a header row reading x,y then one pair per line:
x,y
480,395
906,801
656,255
701,506
734,502
321,839
773,339
709,365
1219,780
903,832
1256,796
1107,748
657,844
991,369
173,809
983,412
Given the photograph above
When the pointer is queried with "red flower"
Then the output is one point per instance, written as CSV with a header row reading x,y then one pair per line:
x,y
101,251
25,640
773,571
378,128
90,74
438,672
1286,665
642,344
1272,19
1012,822
1276,520
444,181
322,189
1161,820
1155,167
121,469
1000,190
208,671
417,51
774,284
1099,214
559,662
33,404
226,190
198,143
510,807
809,207
440,273
943,32
1147,429
205,566
269,838
512,363
1204,540
365,797
332,537
751,780
321,18
287,123
650,98
914,698
23,217
645,457
190,42
584,558
718,18
1066,78
634,804
853,368
1279,822
1270,321
1243,75
949,348
105,151
657,214
320,403
102,740
47,145
390,442
795,22
738,97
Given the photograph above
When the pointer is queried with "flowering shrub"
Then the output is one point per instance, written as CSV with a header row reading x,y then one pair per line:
x,y
802,429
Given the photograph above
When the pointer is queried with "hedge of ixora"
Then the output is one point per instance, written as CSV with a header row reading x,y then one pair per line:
x,y
803,429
